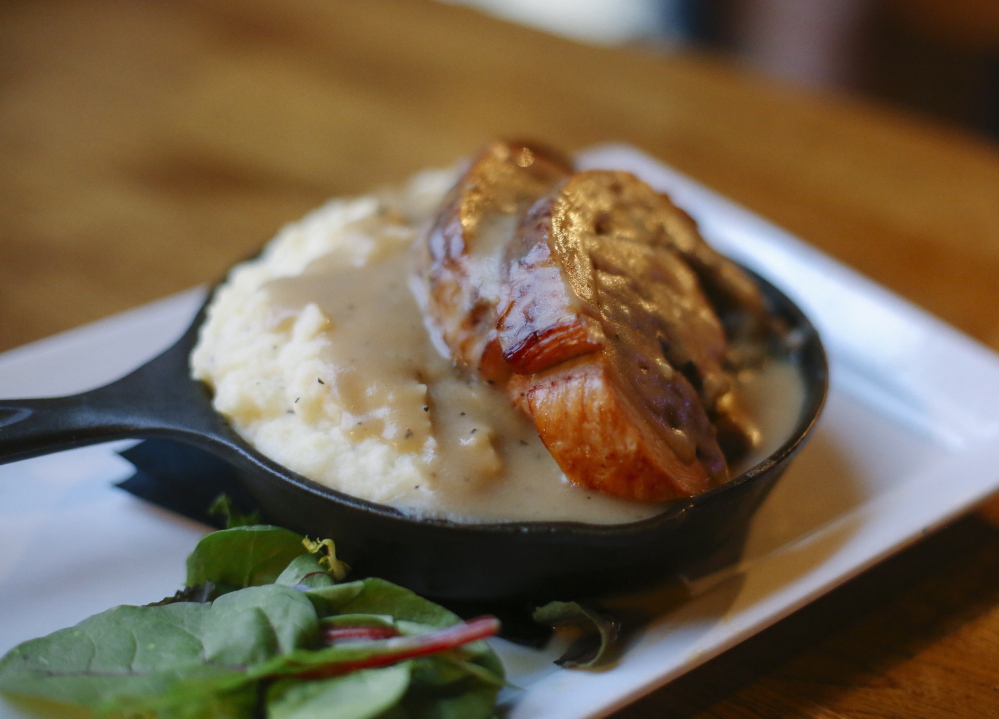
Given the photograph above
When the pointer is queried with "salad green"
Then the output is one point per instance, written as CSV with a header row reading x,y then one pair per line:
x,y
596,632
267,627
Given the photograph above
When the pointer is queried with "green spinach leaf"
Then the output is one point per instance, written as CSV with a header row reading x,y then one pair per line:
x,y
131,651
227,509
243,556
308,570
376,596
598,632
360,695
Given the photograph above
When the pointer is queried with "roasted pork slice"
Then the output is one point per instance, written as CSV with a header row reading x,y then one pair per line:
x,y
619,354
733,294
603,436
461,258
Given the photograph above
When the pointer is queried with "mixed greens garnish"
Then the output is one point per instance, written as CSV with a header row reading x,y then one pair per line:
x,y
267,626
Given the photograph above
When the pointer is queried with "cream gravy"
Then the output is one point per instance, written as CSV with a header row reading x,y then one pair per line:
x,y
484,460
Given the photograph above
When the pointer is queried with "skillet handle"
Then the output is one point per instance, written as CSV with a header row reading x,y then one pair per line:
x,y
30,427
157,399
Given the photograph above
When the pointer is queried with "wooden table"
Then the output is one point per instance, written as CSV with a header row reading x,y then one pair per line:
x,y
145,146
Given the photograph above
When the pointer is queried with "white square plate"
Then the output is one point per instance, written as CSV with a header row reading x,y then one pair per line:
x,y
908,440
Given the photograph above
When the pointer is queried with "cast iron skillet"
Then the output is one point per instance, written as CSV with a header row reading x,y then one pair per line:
x,y
438,558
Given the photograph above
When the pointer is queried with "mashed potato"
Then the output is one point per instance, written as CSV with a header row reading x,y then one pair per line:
x,y
265,368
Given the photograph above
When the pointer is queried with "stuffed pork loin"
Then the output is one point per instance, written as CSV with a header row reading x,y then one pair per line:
x,y
593,302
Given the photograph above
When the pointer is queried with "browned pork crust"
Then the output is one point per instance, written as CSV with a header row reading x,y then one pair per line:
x,y
461,259
595,302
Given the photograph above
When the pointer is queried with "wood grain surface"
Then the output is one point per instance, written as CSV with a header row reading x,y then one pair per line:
x,y
146,146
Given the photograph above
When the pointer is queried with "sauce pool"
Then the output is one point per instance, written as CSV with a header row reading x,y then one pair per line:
x,y
483,459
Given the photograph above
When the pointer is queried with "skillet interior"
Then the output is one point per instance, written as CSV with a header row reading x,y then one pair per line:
x,y
512,560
